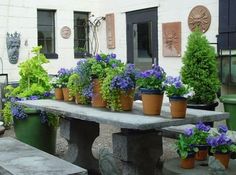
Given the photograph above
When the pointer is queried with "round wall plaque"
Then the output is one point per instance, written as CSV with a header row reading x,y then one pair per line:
x,y
65,32
201,17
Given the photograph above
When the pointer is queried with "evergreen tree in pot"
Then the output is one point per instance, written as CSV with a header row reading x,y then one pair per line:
x,y
200,72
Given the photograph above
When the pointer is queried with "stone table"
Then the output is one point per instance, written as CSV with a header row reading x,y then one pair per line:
x,y
17,158
138,145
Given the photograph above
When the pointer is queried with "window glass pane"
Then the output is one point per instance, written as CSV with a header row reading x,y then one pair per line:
x,y
46,31
225,69
233,69
45,17
81,31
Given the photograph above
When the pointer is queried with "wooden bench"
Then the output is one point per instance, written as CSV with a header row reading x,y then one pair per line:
x,y
174,131
17,158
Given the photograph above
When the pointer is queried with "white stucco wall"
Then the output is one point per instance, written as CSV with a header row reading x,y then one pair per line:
x,y
21,16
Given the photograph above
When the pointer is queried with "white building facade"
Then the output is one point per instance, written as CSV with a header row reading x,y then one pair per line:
x,y
22,16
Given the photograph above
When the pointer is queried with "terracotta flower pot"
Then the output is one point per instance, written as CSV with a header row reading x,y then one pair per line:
x,y
66,94
189,162
178,106
58,94
152,101
202,153
97,100
126,100
223,158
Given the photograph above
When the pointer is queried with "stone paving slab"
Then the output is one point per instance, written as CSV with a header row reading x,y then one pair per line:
x,y
17,158
172,167
130,120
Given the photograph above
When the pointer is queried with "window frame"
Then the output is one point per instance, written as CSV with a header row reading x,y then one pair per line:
x,y
78,54
52,55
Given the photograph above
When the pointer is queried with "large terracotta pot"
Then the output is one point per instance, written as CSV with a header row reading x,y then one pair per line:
x,y
202,153
58,94
189,162
126,100
97,100
178,107
223,158
66,94
152,101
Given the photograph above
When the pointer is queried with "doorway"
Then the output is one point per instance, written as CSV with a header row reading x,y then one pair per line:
x,y
142,46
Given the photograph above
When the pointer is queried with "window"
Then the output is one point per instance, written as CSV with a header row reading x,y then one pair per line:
x,y
81,34
46,32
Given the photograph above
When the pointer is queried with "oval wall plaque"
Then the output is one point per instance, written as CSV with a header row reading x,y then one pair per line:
x,y
65,32
201,17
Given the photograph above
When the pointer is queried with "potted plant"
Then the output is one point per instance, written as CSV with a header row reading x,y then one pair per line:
x,y
98,65
80,83
221,145
32,126
63,75
201,133
151,84
178,94
118,87
56,84
186,149
200,72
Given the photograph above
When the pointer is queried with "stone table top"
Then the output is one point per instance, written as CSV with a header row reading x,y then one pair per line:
x,y
129,120
17,158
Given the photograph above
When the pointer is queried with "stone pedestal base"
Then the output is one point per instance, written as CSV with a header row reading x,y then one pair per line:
x,y
139,151
80,136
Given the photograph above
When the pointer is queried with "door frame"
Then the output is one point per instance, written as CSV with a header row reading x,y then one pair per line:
x,y
140,16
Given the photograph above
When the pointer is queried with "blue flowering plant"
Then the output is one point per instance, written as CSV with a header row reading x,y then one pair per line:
x,y
63,75
79,82
119,80
186,144
152,79
174,87
55,82
201,133
220,142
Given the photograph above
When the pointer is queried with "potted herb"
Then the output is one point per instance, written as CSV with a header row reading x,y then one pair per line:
x,y
151,84
32,126
56,84
186,149
200,72
118,87
221,145
201,133
98,65
63,75
178,94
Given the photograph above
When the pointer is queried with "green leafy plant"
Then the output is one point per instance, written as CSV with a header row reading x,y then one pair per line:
x,y
200,69
200,133
186,144
34,84
6,114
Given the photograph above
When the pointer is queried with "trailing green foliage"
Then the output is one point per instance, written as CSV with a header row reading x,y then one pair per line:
x,y
6,114
200,69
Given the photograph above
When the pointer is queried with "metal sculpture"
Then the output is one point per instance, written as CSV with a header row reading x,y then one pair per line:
x,y
13,45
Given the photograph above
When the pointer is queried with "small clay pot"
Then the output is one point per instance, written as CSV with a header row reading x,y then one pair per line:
x,y
178,106
126,100
58,94
223,158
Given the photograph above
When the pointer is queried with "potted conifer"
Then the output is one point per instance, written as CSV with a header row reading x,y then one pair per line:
x,y
200,72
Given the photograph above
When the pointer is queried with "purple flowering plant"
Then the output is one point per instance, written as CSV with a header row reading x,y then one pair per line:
x,y
152,79
174,87
186,143
119,79
63,75
201,132
220,142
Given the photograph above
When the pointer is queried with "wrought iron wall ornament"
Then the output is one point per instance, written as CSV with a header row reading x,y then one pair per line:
x,y
13,45
199,17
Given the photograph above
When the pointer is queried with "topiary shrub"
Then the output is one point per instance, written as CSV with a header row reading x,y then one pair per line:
x,y
200,69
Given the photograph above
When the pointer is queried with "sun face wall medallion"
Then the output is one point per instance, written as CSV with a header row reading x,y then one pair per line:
x,y
199,17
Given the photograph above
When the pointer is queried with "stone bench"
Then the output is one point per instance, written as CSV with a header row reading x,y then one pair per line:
x,y
174,131
17,158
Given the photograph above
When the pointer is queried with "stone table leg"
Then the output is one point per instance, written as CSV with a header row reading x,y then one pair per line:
x,y
138,151
80,136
